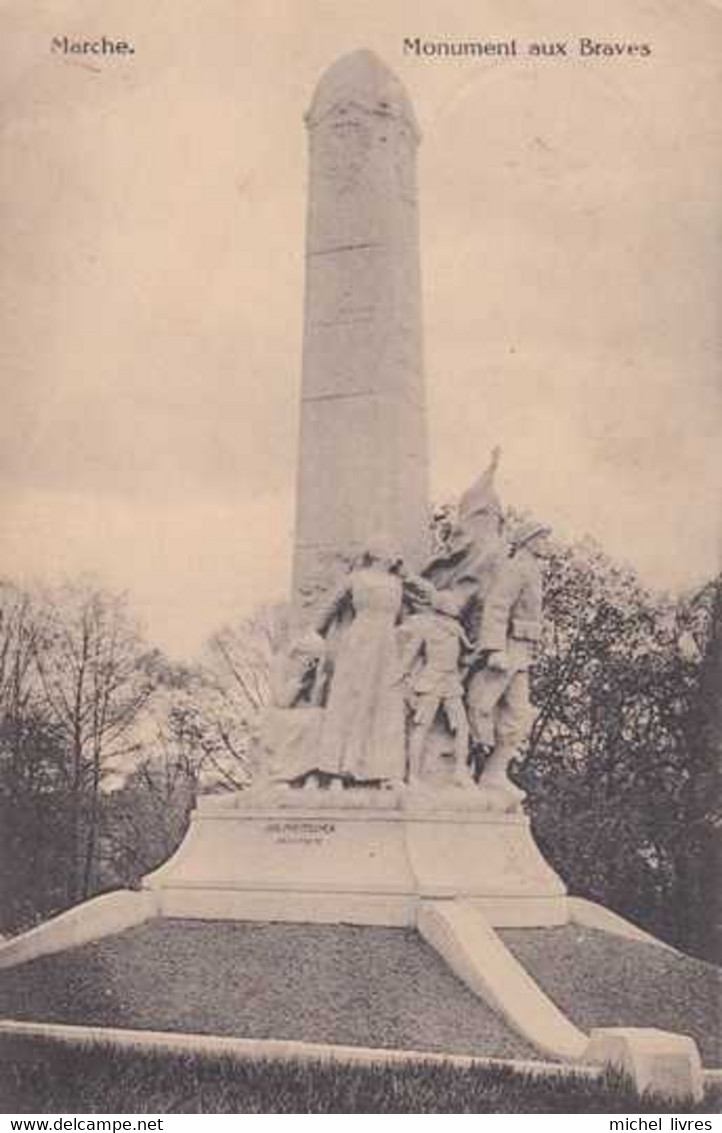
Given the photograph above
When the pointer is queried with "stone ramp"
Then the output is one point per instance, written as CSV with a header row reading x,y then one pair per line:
x,y
360,986
602,980
476,953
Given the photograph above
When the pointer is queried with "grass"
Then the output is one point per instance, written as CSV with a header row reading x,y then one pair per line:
x,y
600,980
376,987
40,1076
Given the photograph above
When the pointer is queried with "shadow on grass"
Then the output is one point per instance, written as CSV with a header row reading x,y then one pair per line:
x,y
42,1076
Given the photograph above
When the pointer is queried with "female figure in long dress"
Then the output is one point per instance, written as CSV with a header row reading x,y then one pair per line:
x,y
363,730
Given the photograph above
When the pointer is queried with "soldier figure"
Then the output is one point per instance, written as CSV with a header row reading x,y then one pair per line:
x,y
498,694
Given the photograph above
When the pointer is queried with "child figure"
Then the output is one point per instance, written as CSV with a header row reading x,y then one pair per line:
x,y
438,637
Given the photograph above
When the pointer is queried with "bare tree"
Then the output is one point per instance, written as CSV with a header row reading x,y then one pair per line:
x,y
19,633
236,688
95,677
33,835
146,819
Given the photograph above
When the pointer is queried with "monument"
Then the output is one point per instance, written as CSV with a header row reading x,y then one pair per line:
x,y
363,463
382,792
406,671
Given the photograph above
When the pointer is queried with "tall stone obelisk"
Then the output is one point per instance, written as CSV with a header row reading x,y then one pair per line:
x,y
363,467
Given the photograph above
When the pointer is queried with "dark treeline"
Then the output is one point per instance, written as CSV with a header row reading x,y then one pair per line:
x,y
104,745
623,762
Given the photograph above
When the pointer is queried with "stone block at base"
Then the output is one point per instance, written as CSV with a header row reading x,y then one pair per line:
x,y
360,866
387,910
660,1061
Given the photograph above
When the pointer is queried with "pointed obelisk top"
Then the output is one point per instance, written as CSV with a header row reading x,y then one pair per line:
x,y
362,78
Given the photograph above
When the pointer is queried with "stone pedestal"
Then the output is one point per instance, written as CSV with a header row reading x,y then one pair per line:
x,y
358,864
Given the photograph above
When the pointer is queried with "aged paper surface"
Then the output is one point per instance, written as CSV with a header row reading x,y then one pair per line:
x,y
153,235
153,190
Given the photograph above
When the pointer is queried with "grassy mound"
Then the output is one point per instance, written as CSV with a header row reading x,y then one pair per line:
x,y
38,1076
600,980
376,987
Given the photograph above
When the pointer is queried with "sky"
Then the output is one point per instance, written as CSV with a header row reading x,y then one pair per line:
x,y
151,283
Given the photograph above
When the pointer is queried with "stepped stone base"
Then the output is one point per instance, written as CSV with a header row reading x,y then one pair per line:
x,y
337,859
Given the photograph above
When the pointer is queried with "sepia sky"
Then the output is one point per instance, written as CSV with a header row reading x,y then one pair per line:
x,y
151,282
